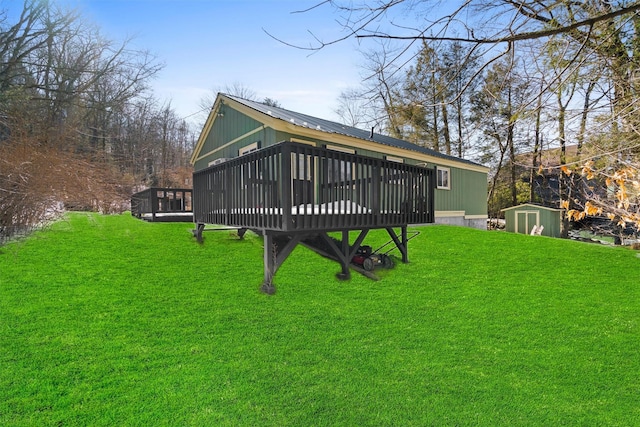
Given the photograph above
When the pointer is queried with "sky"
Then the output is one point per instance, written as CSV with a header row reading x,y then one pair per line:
x,y
209,44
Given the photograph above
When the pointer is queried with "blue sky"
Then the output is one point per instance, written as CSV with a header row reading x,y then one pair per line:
x,y
207,44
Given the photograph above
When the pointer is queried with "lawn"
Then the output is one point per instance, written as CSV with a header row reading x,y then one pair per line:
x,y
107,320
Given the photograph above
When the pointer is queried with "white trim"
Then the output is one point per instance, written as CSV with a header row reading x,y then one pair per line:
x,y
301,161
205,131
448,214
526,220
455,214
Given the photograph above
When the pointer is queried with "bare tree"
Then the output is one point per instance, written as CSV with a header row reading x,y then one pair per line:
x,y
79,127
499,106
352,108
594,77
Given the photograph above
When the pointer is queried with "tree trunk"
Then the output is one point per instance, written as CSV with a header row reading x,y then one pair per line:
x,y
583,118
445,129
563,161
459,111
512,149
536,147
436,132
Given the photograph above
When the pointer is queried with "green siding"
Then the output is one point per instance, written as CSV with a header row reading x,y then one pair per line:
x,y
229,127
284,136
468,190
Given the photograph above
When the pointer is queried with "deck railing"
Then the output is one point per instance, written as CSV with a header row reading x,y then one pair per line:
x,y
297,187
163,204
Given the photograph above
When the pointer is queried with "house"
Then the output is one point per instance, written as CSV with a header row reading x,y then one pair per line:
x,y
237,126
295,178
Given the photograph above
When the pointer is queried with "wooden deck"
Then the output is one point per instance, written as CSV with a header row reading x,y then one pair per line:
x,y
292,192
163,205
292,187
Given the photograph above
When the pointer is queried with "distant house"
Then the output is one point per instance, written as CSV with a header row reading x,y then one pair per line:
x,y
236,127
546,176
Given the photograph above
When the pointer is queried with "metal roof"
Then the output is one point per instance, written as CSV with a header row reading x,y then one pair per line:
x,y
328,126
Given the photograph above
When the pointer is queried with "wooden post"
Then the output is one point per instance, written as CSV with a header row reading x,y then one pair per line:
x,y
345,260
376,183
197,233
277,248
269,264
154,203
401,243
286,183
405,253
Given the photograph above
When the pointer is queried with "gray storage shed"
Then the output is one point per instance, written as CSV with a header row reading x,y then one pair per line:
x,y
522,219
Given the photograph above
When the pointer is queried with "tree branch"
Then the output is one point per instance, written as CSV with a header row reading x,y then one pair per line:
x,y
530,35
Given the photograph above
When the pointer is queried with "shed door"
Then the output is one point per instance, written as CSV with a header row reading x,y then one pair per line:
x,y
525,220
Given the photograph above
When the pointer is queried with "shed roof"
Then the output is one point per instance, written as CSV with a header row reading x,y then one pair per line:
x,y
533,206
309,124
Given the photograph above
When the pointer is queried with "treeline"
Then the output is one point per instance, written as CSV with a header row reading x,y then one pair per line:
x,y
79,126
546,93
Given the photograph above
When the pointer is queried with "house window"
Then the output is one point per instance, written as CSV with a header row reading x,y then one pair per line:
x,y
341,149
444,180
394,159
249,148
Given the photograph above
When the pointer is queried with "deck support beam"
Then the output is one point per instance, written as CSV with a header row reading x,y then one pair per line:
x,y
400,241
277,247
345,253
197,233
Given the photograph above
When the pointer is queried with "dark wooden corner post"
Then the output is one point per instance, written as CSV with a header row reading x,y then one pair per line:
x,y
277,247
197,232
344,259
154,203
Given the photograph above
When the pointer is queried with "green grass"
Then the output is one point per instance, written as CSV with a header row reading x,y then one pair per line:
x,y
107,320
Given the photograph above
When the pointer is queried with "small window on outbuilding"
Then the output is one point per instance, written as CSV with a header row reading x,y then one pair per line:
x,y
443,178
